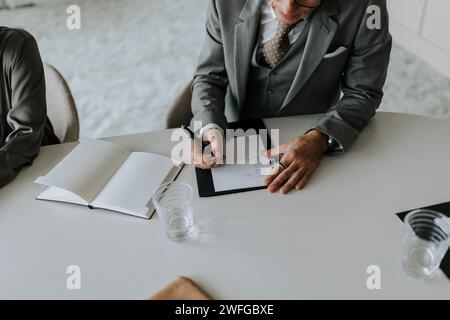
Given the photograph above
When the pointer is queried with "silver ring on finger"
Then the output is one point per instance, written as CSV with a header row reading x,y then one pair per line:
x,y
282,165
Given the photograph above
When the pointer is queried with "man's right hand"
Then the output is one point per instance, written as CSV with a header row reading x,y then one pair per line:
x,y
214,138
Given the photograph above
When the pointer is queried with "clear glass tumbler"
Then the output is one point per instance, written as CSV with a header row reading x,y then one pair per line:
x,y
172,202
424,243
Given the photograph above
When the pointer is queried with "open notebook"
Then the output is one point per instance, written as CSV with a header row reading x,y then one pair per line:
x,y
104,175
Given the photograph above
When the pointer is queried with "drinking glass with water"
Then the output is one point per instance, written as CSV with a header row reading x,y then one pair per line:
x,y
425,242
173,205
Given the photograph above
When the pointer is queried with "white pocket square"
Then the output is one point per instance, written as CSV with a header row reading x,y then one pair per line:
x,y
338,51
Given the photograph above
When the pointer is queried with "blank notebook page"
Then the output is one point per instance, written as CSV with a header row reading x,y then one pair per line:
x,y
86,169
131,188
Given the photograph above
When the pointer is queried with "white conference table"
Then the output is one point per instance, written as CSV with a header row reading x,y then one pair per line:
x,y
317,243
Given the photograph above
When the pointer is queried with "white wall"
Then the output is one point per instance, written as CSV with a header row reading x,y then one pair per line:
x,y
422,27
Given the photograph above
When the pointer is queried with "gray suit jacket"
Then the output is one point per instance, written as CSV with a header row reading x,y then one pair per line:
x,y
359,71
24,125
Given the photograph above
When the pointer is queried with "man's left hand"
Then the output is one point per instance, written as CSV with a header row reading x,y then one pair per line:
x,y
302,156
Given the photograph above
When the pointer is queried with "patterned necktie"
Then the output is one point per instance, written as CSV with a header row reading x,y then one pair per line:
x,y
276,48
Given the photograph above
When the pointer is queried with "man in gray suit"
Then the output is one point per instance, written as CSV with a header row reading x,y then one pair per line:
x,y
274,58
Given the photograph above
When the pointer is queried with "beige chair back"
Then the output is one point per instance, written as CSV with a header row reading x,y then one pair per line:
x,y
61,108
179,112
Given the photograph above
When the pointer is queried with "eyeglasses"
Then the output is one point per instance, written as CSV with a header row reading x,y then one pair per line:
x,y
302,3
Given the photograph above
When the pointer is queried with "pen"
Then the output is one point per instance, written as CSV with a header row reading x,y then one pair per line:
x,y
189,131
192,135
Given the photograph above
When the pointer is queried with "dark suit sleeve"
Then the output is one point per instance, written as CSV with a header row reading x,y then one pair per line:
x,y
363,81
210,79
27,117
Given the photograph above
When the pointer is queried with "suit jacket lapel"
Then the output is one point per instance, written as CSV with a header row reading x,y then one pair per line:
x,y
323,29
245,35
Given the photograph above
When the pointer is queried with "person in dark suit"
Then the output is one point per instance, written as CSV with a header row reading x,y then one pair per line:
x,y
275,58
24,125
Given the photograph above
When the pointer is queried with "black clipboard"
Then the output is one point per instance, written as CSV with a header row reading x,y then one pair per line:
x,y
443,208
205,181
